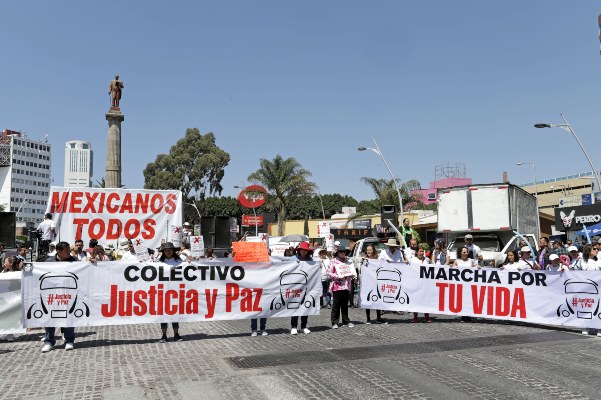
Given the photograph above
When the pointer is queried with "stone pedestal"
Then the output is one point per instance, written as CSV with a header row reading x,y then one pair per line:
x,y
112,178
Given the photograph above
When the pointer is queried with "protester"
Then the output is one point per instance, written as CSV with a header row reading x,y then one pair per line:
x,y
303,253
473,250
326,298
421,259
47,231
340,287
408,232
185,251
556,264
10,264
98,254
371,253
78,252
511,261
543,252
22,253
63,254
129,253
575,256
558,248
93,243
412,250
169,257
109,249
439,255
209,253
52,249
526,261
262,324
589,261
392,252
463,259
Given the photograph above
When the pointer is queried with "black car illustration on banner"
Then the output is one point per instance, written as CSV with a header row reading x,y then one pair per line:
x,y
58,293
582,300
388,287
293,292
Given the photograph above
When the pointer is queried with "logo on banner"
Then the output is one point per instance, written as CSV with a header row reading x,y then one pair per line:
x,y
582,300
58,297
293,292
388,287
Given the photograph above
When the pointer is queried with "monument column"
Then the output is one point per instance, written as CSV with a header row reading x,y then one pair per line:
x,y
112,177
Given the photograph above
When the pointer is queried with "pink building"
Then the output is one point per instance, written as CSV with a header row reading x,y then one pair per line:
x,y
429,194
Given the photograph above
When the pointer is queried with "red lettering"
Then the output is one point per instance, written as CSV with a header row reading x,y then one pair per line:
x,y
257,305
455,298
153,206
101,202
59,204
92,229
114,229
75,202
502,296
519,304
89,206
170,309
109,310
170,205
127,206
109,203
142,203
80,222
127,231
489,300
246,300
149,226
441,294
140,297
478,299
231,293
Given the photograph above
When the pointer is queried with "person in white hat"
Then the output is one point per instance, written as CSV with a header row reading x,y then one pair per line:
x,y
556,264
392,252
475,251
526,261
575,257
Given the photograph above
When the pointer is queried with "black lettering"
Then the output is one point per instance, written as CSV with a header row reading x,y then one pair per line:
x,y
203,271
127,276
176,273
480,275
222,274
540,279
425,272
189,277
441,274
237,273
162,276
466,275
145,276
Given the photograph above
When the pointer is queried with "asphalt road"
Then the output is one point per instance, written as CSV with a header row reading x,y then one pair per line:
x,y
220,360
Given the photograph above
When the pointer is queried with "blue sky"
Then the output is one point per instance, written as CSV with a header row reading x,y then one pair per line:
x,y
432,81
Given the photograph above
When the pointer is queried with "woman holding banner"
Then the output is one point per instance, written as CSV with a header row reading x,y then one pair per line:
x,y
421,259
464,261
303,253
168,256
341,271
371,253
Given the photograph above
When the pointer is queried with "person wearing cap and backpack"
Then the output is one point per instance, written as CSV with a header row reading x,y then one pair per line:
x,y
303,253
526,261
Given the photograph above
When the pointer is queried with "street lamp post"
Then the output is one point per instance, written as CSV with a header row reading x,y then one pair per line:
x,y
196,208
254,210
535,192
379,152
323,213
568,128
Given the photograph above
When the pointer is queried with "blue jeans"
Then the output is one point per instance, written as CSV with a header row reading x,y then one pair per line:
x,y
49,336
253,324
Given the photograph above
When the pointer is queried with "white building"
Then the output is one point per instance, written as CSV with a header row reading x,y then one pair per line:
x,y
24,176
78,164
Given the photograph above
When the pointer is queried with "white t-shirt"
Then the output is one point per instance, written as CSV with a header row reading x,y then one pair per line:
x,y
46,227
524,265
392,257
324,269
559,267
467,263
590,265
514,266
128,256
475,251
415,260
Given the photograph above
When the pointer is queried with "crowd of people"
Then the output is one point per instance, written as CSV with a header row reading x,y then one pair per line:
x,y
339,275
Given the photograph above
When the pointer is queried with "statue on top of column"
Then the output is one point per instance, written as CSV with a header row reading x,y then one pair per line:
x,y
115,90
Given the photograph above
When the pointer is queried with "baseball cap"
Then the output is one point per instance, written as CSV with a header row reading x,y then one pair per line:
x,y
468,236
553,257
525,249
572,248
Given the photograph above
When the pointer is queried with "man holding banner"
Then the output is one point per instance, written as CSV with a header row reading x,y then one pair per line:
x,y
63,254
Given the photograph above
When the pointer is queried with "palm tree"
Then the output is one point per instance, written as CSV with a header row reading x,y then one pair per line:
x,y
386,192
284,180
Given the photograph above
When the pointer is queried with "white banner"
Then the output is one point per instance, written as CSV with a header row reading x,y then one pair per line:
x,y
140,249
109,214
323,228
10,303
114,293
569,298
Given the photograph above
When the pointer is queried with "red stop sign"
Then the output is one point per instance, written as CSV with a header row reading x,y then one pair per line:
x,y
252,196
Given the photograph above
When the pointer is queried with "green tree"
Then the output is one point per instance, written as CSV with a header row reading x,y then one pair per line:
x,y
386,193
284,179
2,207
194,165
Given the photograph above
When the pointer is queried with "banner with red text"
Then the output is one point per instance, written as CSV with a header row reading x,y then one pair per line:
x,y
113,293
10,303
569,298
109,214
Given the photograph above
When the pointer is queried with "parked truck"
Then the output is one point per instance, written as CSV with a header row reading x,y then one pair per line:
x,y
490,213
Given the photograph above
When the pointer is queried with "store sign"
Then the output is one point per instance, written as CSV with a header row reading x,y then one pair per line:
x,y
572,218
251,220
351,234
